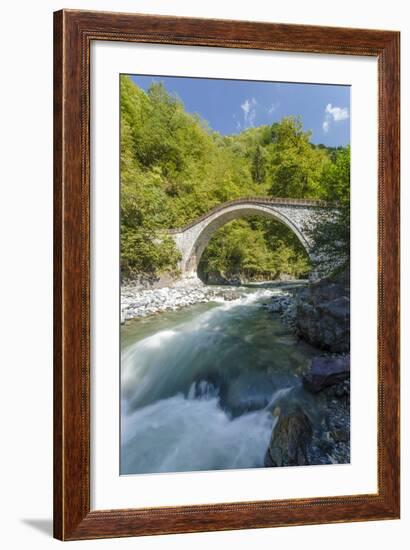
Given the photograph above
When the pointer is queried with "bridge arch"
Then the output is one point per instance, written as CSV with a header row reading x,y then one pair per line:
x,y
229,214
192,239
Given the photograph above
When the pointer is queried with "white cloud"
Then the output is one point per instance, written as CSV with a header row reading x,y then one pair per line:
x,y
273,108
249,111
334,114
245,106
337,112
248,104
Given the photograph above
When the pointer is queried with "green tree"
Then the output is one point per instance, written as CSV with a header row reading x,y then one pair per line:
x,y
258,167
332,234
175,168
296,165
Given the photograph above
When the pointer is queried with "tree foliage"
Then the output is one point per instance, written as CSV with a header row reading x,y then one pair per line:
x,y
258,166
331,234
175,168
296,166
256,249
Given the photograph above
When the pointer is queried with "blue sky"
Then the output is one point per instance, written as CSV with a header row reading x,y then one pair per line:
x,y
230,106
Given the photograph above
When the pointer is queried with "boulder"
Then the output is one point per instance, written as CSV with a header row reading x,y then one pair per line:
x,y
248,392
235,280
323,314
326,371
290,439
279,303
342,436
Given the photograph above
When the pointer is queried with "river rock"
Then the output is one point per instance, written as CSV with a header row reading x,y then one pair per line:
x,y
341,436
326,371
137,302
248,392
279,303
230,296
323,314
236,280
290,440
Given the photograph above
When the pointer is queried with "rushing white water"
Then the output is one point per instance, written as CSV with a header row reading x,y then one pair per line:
x,y
183,433
199,388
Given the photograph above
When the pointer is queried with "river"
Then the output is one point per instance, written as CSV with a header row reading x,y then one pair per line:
x,y
198,385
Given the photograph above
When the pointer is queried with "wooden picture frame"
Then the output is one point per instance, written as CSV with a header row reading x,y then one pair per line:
x,y
74,32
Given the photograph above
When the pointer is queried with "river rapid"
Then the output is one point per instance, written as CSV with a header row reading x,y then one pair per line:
x,y
198,385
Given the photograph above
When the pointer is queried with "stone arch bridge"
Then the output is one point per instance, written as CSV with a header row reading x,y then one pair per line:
x,y
297,214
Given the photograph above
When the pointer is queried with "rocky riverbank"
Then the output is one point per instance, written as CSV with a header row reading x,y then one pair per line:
x,y
329,378
139,302
331,441
320,315
323,313
284,304
301,437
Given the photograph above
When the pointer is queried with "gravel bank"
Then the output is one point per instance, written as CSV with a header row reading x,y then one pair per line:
x,y
136,302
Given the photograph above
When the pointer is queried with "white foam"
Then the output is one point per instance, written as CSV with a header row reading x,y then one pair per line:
x,y
183,434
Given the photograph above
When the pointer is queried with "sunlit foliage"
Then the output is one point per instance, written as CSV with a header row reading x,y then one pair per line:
x,y
175,168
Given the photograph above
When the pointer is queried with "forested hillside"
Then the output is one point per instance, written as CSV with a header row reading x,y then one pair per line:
x,y
174,168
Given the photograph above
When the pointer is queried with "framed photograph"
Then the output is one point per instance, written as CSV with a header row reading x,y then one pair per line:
x,y
226,275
